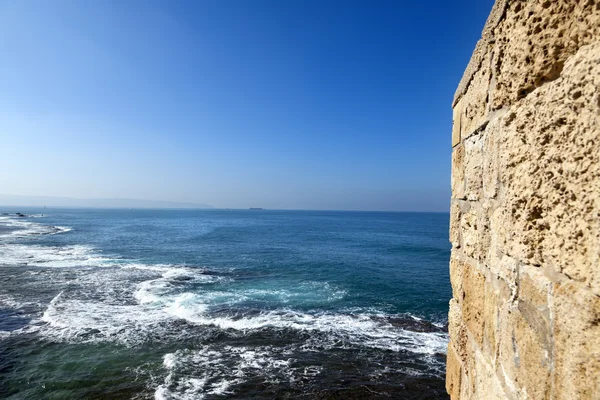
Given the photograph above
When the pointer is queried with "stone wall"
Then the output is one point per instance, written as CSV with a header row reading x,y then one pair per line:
x,y
524,320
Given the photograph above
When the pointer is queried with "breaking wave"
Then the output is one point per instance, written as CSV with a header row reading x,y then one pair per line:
x,y
99,299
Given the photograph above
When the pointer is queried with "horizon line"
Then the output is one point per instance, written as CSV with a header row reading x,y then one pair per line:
x,y
211,208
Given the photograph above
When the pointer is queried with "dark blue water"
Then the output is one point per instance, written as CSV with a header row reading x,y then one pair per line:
x,y
173,304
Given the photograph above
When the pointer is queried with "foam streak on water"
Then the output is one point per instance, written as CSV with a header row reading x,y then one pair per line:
x,y
195,330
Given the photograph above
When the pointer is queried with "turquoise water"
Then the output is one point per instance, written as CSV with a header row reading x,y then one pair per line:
x,y
173,304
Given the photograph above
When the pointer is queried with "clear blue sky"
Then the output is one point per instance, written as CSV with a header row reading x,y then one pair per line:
x,y
282,104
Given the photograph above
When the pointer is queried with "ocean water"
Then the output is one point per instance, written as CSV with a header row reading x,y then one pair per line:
x,y
189,304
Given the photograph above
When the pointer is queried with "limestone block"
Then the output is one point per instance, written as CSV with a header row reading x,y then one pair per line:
x,y
457,330
505,271
523,360
469,232
534,333
487,385
473,106
473,299
456,121
455,215
533,41
473,167
576,312
468,387
457,272
550,173
475,232
534,363
482,48
479,380
458,172
490,162
508,362
490,326
499,232
534,288
453,374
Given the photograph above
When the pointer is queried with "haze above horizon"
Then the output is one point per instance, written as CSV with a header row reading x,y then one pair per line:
x,y
282,105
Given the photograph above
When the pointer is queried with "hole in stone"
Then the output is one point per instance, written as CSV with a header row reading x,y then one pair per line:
x,y
523,93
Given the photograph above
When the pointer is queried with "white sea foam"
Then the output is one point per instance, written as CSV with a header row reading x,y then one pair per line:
x,y
100,314
88,321
21,228
159,299
186,306
50,256
360,329
128,302
213,370
73,320
99,309
195,374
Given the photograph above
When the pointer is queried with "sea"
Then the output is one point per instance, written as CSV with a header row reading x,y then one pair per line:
x,y
222,304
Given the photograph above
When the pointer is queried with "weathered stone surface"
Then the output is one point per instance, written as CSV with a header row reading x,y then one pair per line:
x,y
524,321
469,232
490,165
532,336
533,42
529,41
457,330
456,120
576,312
491,306
534,367
473,167
473,106
458,172
473,300
508,362
481,49
534,289
454,371
474,232
457,272
455,215
550,172
504,270
486,384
